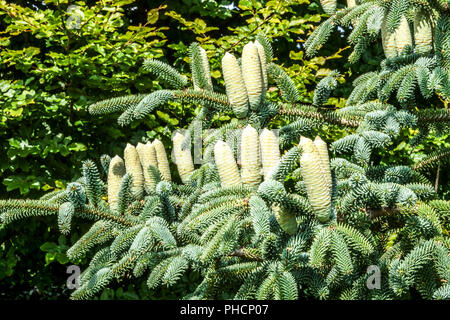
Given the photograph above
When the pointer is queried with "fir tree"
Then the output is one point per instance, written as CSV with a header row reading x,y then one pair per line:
x,y
235,219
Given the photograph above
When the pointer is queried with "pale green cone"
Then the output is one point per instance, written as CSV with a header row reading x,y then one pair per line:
x,y
262,59
388,41
205,64
329,6
316,188
250,162
351,3
285,219
115,173
321,147
226,165
163,162
423,32
134,168
234,84
252,74
147,156
270,151
183,158
402,36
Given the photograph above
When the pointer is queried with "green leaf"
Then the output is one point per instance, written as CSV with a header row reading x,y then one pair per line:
x,y
296,55
49,247
152,16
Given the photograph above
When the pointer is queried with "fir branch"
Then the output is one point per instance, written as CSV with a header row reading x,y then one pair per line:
x,y
149,103
284,82
429,116
215,101
327,116
200,67
433,159
168,74
13,210
115,104
246,254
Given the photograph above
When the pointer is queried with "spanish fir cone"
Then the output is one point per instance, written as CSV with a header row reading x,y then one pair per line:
x,y
402,36
163,162
250,161
183,158
139,150
423,32
134,168
262,59
316,188
308,146
234,85
321,147
388,41
147,156
285,219
115,173
329,6
252,74
226,165
270,151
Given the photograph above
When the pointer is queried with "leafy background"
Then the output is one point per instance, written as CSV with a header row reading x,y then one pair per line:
x,y
50,73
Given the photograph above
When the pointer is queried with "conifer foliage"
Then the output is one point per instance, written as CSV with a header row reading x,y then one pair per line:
x,y
415,40
237,218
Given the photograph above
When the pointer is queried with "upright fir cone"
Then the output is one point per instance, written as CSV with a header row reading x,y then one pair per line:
x,y
316,188
423,32
252,74
351,3
183,158
329,6
250,161
388,41
234,85
163,162
270,151
262,60
205,63
285,219
226,165
307,145
147,157
402,36
115,173
134,168
321,147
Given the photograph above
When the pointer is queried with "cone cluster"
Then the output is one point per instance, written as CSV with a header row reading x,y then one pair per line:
x,y
395,42
136,162
259,154
246,84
